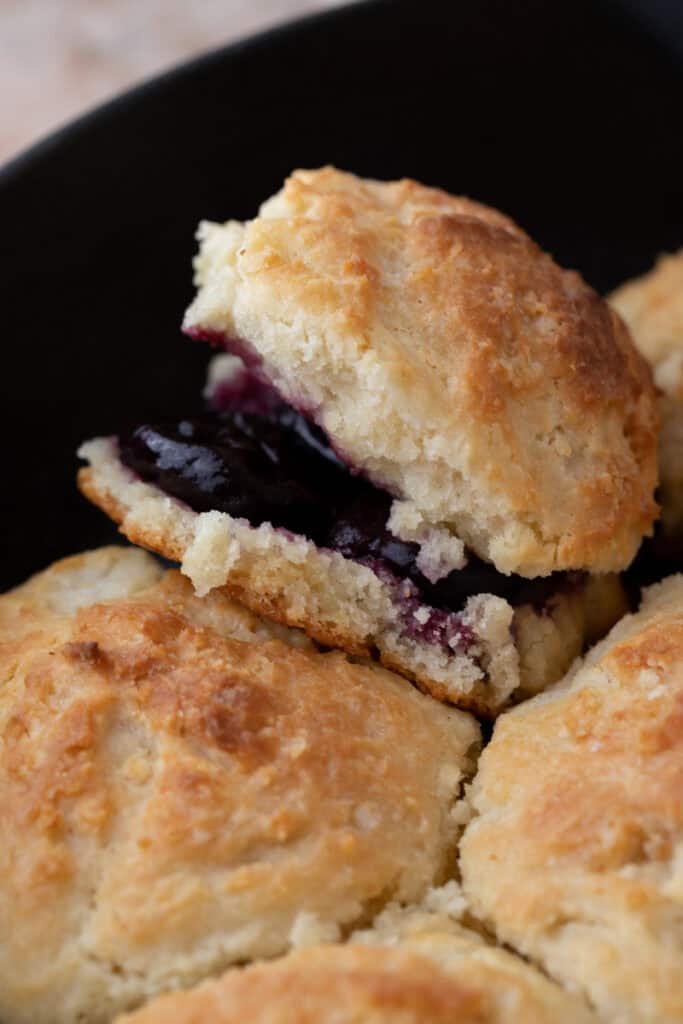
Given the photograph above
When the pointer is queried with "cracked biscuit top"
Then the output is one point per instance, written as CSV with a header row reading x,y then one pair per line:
x,y
493,394
183,786
574,855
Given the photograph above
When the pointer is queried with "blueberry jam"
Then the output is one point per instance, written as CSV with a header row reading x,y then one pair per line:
x,y
265,467
275,466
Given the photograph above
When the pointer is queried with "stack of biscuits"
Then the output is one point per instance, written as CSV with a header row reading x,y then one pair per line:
x,y
401,739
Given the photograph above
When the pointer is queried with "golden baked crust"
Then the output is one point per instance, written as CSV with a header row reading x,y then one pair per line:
x,y
342,603
450,359
652,306
180,790
437,973
575,853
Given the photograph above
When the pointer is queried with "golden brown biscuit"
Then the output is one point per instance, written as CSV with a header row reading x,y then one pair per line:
x,y
423,969
490,397
652,306
575,851
450,360
181,789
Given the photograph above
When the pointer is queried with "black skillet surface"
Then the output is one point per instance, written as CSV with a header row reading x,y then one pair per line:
x,y
567,116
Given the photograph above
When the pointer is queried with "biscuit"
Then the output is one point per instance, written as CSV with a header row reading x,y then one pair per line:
x,y
489,652
452,394
428,970
184,787
652,306
574,854
447,358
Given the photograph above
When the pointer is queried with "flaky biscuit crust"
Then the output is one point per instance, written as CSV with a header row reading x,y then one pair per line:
x,y
448,358
437,974
341,603
652,306
575,851
181,789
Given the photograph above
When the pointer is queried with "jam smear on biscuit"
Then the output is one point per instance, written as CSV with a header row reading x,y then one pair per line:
x,y
266,462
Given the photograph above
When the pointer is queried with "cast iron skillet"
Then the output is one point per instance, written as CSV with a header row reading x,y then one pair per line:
x,y
567,116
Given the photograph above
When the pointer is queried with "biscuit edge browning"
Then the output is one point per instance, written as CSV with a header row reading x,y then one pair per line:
x,y
415,967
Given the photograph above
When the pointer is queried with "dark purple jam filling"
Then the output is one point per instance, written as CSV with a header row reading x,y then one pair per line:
x,y
275,466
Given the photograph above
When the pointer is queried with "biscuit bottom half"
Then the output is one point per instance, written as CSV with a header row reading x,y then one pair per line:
x,y
253,497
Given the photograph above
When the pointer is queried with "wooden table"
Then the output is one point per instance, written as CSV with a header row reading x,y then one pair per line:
x,y
59,57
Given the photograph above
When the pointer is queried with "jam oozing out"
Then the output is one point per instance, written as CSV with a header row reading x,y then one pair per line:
x,y
255,467
275,466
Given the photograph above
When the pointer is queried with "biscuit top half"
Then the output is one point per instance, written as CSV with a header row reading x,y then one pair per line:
x,y
493,394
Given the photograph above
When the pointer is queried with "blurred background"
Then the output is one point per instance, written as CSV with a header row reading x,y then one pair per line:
x,y
59,57
565,115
